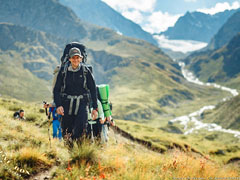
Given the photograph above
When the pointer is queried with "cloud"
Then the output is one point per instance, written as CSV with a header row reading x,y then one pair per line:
x,y
220,7
159,21
134,15
179,45
142,12
125,5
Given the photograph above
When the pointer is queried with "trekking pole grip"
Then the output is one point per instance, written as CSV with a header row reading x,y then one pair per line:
x,y
44,102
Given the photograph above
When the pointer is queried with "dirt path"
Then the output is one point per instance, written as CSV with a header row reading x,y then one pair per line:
x,y
45,175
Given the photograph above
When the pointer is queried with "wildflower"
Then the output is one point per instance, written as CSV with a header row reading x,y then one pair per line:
x,y
69,167
102,176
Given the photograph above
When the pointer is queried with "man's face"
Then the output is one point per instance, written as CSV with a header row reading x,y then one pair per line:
x,y
75,61
21,114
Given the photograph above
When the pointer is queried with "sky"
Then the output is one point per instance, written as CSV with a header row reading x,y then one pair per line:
x,y
156,16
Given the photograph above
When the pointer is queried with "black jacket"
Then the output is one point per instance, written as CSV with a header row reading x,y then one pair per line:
x,y
74,85
16,115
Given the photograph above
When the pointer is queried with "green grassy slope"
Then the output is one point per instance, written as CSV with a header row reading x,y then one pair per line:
x,y
27,59
227,114
25,151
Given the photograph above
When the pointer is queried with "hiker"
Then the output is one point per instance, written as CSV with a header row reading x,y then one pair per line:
x,y
106,123
95,126
103,95
71,96
99,128
57,132
19,115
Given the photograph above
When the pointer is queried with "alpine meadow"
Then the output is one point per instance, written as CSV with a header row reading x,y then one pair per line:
x,y
175,115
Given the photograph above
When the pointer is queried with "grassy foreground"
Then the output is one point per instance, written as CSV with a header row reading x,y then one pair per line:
x,y
25,151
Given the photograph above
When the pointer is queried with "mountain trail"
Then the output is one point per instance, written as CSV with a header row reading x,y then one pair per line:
x,y
44,175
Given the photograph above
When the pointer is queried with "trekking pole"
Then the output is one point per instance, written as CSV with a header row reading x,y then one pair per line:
x,y
49,116
92,133
49,137
113,126
91,122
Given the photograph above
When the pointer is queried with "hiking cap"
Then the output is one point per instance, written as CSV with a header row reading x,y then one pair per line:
x,y
75,52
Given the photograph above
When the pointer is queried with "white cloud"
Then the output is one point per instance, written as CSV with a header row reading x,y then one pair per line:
x,y
142,13
124,5
179,45
220,7
158,22
134,15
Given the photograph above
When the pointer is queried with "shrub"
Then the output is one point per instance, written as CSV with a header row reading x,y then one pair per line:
x,y
84,153
42,110
31,117
33,160
14,107
19,128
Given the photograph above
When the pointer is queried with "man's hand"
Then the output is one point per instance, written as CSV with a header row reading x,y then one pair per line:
x,y
60,110
101,121
45,106
109,118
94,114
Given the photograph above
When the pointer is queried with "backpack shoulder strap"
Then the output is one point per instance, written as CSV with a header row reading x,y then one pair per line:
x,y
85,71
64,75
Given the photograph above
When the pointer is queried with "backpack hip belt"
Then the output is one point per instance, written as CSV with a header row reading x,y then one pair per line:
x,y
72,98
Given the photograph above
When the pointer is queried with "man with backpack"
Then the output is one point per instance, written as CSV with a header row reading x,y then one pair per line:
x,y
19,115
74,86
57,132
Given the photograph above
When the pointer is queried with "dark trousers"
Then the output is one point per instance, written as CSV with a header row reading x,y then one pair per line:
x,y
96,128
74,126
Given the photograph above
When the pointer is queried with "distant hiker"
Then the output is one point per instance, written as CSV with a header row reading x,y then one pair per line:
x,y
71,95
95,126
106,123
57,132
103,97
19,115
99,128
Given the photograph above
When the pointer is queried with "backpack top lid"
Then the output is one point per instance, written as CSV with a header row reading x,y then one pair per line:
x,y
81,47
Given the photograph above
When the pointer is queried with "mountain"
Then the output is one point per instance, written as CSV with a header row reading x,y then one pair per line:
x,y
44,15
198,26
227,114
26,62
99,13
28,58
221,65
145,83
226,32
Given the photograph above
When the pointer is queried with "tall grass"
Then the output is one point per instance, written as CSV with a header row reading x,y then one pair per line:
x,y
84,153
130,162
26,146
83,162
